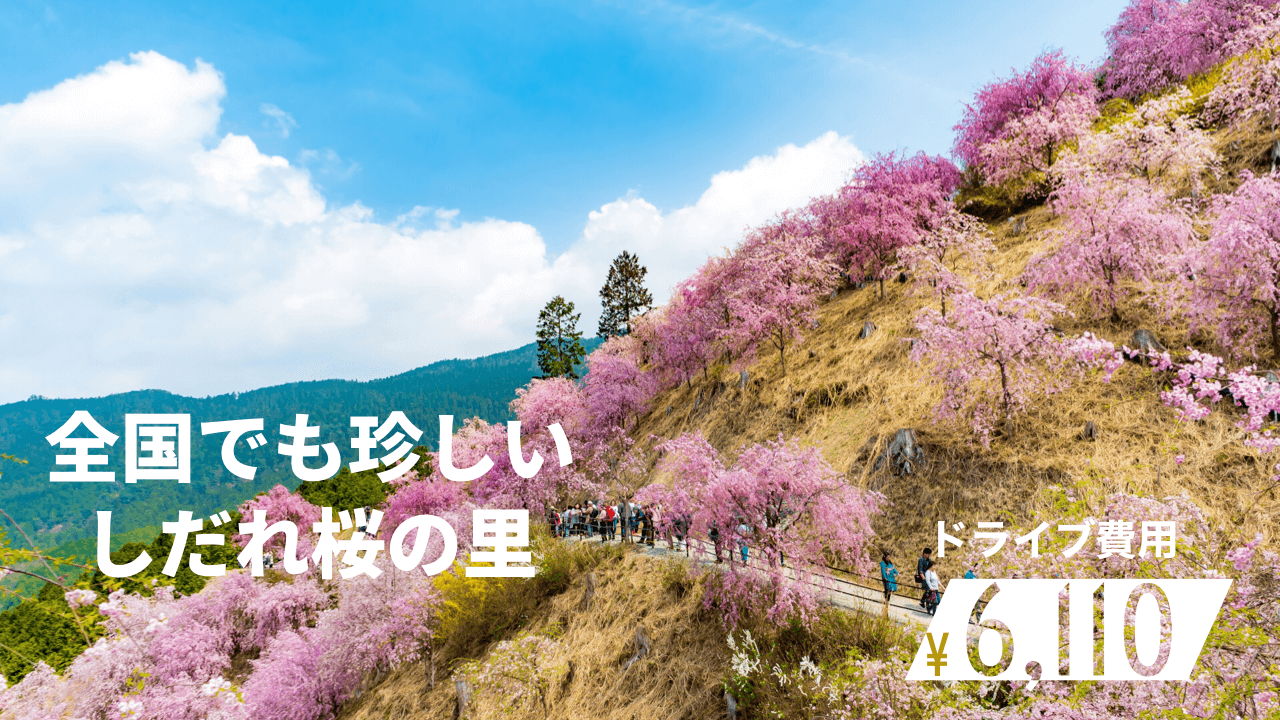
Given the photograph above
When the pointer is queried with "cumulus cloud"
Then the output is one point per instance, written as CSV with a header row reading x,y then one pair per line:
x,y
141,249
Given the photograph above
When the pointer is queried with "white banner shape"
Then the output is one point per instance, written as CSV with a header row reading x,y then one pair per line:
x,y
1025,614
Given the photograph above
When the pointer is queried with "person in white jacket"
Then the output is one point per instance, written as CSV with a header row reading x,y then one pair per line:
x,y
934,585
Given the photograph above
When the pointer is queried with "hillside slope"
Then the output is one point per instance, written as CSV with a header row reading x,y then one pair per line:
x,y
848,396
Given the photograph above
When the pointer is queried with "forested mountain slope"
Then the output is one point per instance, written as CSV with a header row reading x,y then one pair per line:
x,y
62,512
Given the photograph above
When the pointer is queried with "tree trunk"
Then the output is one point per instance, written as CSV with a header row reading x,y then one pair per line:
x,y
1004,396
1275,333
782,352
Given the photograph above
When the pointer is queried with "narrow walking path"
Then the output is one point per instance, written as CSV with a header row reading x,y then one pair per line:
x,y
832,589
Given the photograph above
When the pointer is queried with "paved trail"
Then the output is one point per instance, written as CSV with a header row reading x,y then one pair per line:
x,y
833,590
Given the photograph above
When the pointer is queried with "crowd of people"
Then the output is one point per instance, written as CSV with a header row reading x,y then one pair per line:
x,y
628,521
633,522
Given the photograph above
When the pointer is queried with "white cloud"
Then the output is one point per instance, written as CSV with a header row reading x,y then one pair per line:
x,y
673,244
140,249
284,121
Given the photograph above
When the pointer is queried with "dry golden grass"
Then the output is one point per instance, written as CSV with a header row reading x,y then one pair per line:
x,y
679,678
848,396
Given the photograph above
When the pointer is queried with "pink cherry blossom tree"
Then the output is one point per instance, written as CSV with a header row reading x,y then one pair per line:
x,y
1161,141
890,203
1158,43
785,274
959,246
1250,84
1015,126
1116,232
785,503
1237,287
993,357
616,389
1202,380
279,504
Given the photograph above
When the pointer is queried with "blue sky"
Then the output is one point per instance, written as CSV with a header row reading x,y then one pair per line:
x,y
542,111
576,126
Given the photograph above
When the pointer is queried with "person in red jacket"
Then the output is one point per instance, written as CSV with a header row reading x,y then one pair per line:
x,y
609,521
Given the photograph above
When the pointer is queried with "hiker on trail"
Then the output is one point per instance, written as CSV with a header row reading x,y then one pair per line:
x,y
682,532
743,531
925,558
889,576
934,584
714,535
610,523
624,520
655,517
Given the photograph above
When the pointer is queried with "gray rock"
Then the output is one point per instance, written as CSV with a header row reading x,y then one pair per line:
x,y
731,706
464,699
1090,432
1145,341
903,455
588,592
643,646
1017,225
868,327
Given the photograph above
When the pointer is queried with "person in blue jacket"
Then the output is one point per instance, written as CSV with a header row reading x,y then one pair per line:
x,y
889,575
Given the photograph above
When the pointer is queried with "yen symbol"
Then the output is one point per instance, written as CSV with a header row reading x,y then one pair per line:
x,y
937,658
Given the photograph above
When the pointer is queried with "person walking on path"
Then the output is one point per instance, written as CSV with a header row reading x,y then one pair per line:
x,y
609,517
647,534
924,559
714,535
743,531
934,594
889,576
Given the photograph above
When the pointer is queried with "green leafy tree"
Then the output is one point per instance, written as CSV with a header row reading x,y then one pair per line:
x,y
623,296
559,339
348,490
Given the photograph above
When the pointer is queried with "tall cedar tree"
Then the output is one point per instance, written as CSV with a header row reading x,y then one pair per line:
x,y
623,296
559,340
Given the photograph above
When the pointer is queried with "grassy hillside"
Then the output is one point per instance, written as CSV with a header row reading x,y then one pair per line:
x,y
849,396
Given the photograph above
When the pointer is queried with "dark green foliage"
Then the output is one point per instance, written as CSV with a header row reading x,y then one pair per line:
x,y
348,490
184,581
623,296
59,513
41,629
560,349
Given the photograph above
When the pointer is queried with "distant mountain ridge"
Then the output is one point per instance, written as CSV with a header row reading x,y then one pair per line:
x,y
61,512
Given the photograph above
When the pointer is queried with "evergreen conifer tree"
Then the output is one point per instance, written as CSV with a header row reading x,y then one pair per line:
x,y
559,339
623,296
